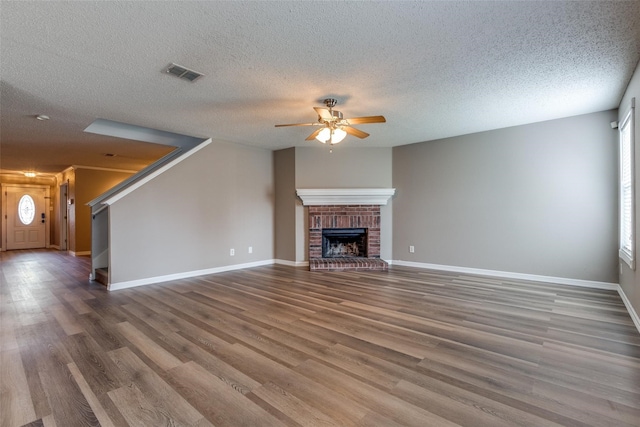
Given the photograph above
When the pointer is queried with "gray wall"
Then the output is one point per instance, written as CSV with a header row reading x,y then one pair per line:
x,y
87,184
188,218
630,279
344,168
100,240
536,199
284,163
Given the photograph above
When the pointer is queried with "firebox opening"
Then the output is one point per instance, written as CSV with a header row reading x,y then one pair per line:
x,y
344,242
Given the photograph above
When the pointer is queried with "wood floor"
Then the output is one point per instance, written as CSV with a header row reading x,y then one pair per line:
x,y
282,346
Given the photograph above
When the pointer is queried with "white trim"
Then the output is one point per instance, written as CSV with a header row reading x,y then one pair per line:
x,y
627,253
627,304
74,167
80,253
64,171
185,275
291,263
537,278
155,173
344,196
512,275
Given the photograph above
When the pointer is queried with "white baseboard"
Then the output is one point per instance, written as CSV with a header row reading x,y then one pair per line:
x,y
79,253
185,275
545,279
291,263
448,268
632,312
511,275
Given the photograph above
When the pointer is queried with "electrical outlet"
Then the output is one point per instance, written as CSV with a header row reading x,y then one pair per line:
x,y
232,252
250,249
412,249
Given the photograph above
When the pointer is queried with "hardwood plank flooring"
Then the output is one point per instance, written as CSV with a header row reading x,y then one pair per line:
x,y
283,346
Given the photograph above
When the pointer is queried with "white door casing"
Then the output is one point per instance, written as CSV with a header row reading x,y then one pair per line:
x,y
64,215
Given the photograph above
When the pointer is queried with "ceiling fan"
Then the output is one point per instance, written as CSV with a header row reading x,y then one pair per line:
x,y
333,127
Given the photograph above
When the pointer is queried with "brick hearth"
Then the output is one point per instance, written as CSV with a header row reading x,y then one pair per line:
x,y
340,264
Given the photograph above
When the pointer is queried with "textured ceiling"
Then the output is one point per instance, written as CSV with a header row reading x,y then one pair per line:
x,y
433,69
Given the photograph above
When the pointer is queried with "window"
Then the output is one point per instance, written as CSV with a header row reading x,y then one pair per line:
x,y
26,209
627,232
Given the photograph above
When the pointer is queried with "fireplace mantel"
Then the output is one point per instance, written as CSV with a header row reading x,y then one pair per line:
x,y
344,196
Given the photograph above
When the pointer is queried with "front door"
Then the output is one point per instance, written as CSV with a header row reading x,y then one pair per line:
x,y
26,217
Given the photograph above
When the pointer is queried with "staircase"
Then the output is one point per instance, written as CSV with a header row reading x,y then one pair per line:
x,y
102,276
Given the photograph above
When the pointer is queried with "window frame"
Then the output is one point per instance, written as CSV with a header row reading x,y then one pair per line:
x,y
26,209
627,246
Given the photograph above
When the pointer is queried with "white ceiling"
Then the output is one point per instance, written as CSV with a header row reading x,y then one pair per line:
x,y
433,69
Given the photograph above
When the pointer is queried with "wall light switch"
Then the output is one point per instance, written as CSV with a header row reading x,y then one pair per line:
x,y
232,252
412,249
250,249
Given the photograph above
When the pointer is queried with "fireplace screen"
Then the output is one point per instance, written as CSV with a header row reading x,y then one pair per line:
x,y
344,242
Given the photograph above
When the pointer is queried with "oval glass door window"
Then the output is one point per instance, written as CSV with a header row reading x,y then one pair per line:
x,y
26,209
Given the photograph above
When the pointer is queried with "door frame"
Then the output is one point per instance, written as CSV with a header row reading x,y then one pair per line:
x,y
64,215
48,209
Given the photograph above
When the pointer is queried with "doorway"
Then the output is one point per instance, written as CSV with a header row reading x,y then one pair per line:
x,y
64,215
26,222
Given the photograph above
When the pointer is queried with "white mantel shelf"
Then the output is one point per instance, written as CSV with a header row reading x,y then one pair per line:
x,y
345,196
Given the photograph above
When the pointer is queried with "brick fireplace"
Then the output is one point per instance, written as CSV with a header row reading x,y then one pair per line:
x,y
343,213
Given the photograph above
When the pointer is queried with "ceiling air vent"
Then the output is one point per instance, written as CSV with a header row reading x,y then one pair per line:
x,y
182,72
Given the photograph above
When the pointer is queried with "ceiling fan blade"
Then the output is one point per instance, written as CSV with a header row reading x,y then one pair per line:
x,y
323,113
314,134
355,132
364,120
299,124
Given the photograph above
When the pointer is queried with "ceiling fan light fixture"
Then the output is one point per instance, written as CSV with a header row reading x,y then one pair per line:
x,y
334,127
325,135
